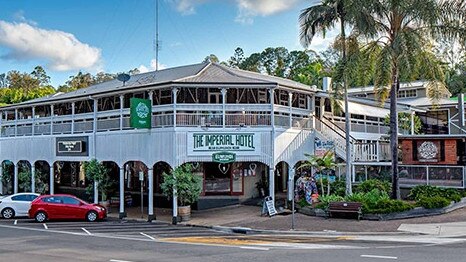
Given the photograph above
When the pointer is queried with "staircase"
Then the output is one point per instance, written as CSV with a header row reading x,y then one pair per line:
x,y
360,152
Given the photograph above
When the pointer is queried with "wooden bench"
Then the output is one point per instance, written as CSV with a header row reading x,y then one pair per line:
x,y
344,208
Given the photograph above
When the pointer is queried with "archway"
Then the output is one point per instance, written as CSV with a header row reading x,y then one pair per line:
x,y
8,168
110,183
69,178
281,178
136,186
42,177
24,176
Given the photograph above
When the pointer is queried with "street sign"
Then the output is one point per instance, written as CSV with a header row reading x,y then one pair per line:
x,y
141,176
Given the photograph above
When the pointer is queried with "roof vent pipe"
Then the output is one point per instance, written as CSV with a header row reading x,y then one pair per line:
x,y
327,84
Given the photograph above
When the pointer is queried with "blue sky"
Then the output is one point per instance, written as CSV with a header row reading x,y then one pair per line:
x,y
118,35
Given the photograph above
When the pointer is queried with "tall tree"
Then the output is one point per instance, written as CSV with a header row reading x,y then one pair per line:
x,y
40,74
400,30
80,80
237,59
320,18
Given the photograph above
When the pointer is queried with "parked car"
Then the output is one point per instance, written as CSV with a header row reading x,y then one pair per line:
x,y
61,206
16,205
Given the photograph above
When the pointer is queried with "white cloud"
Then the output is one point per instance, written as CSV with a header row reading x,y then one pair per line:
x,y
248,9
153,62
19,16
61,50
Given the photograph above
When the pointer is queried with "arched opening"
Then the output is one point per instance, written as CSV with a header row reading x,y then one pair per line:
x,y
24,176
70,178
111,182
8,168
42,177
136,186
281,178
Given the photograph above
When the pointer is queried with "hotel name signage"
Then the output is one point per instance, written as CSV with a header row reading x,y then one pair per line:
x,y
72,146
238,143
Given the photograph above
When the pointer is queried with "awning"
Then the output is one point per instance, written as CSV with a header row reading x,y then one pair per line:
x,y
365,110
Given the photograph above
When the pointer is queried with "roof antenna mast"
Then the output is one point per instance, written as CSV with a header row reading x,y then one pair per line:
x,y
156,35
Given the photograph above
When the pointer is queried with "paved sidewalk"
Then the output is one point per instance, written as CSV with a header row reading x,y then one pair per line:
x,y
451,224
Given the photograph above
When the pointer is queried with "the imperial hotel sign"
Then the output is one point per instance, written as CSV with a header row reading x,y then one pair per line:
x,y
207,143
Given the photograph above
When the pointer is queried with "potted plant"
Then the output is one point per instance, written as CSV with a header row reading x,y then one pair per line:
x,y
96,171
188,188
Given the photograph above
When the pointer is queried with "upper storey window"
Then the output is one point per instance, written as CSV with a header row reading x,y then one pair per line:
x,y
248,96
407,93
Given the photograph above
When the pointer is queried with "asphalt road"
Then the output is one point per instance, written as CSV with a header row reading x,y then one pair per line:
x,y
141,241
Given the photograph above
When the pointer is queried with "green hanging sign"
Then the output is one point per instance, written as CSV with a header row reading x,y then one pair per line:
x,y
141,113
224,157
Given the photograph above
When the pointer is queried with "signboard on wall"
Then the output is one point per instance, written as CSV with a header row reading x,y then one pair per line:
x,y
141,113
428,151
212,142
72,146
224,157
322,146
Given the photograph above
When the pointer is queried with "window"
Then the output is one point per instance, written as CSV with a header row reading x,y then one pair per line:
x,y
70,201
53,200
407,93
21,198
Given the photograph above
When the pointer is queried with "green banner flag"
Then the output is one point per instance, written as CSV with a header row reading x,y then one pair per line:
x,y
141,113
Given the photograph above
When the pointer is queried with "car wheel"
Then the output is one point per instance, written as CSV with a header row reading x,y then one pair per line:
x,y
40,217
8,213
91,216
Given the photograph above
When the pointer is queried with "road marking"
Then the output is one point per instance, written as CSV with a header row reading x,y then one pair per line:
x,y
117,260
85,230
256,248
45,226
146,235
383,257
16,222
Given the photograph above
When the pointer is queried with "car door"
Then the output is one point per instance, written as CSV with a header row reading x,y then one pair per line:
x,y
20,204
53,206
73,208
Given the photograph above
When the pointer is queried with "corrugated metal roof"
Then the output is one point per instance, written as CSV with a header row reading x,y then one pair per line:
x,y
196,73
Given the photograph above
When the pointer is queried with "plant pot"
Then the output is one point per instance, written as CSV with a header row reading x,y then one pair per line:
x,y
185,213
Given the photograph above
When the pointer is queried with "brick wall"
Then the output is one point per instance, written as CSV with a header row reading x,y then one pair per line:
x,y
449,151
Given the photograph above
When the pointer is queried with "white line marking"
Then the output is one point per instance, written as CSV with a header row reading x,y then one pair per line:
x,y
116,260
45,226
255,248
85,230
384,257
146,235
16,222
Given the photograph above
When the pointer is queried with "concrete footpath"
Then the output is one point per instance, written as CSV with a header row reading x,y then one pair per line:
x,y
447,225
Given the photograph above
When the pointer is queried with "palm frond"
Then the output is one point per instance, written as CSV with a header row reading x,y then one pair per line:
x,y
315,19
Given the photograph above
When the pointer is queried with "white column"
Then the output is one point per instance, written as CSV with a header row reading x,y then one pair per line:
x,y
150,211
16,122
272,147
174,95
33,120
224,97
33,178
72,117
15,185
290,108
52,180
412,123
1,178
122,100
94,153
122,192
51,119
175,149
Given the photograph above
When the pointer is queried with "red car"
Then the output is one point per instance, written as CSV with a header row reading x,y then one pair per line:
x,y
65,207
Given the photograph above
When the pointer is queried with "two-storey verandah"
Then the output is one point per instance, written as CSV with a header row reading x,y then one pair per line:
x,y
197,99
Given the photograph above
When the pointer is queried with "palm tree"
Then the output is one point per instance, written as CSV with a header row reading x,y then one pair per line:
x,y
320,18
402,32
323,165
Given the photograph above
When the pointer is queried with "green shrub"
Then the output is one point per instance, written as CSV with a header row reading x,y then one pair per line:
x,y
424,191
325,200
371,184
378,202
338,188
433,202
303,203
